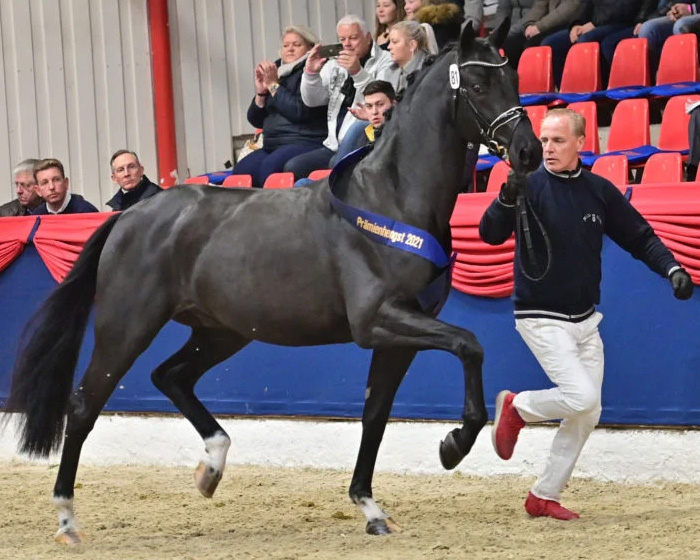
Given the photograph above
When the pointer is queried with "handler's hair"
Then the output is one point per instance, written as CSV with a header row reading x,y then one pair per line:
x,y
577,120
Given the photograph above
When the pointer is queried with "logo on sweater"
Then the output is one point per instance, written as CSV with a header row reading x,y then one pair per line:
x,y
593,218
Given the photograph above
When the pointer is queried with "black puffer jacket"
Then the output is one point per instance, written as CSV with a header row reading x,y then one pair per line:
x,y
285,119
604,12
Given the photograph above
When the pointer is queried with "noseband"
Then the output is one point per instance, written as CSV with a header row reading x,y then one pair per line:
x,y
487,130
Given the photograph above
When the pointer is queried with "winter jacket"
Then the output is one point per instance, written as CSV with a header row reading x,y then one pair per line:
x,y
605,12
326,88
285,119
551,14
126,199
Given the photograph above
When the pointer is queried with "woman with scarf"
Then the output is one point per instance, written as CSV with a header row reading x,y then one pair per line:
x,y
289,127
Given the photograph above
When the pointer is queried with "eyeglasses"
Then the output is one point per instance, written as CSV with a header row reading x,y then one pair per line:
x,y
24,186
130,168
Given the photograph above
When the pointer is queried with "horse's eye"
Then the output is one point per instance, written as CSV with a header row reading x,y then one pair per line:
x,y
477,88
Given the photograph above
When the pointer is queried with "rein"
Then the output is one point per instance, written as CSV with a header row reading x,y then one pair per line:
x,y
487,133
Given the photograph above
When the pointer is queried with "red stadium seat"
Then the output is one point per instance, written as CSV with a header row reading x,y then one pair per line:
x,y
664,167
629,127
614,168
199,180
319,174
679,60
536,114
535,70
581,69
238,181
283,180
673,135
630,65
590,112
498,176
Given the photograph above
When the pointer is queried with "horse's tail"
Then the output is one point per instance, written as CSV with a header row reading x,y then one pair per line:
x,y
42,379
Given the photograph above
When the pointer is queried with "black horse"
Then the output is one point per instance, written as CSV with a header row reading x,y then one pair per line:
x,y
282,267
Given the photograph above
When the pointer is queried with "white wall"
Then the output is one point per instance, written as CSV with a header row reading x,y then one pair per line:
x,y
76,80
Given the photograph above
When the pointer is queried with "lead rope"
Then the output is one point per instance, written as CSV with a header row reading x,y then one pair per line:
x,y
522,223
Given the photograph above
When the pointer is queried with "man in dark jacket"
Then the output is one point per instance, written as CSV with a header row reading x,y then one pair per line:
x,y
555,314
596,21
134,186
542,20
662,21
25,187
53,186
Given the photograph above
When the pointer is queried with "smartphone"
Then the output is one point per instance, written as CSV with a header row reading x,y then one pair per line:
x,y
330,51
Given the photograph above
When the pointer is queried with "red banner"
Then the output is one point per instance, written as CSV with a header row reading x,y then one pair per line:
x,y
60,239
673,210
14,234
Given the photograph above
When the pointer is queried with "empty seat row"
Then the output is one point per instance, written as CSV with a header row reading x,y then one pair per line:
x,y
630,66
282,180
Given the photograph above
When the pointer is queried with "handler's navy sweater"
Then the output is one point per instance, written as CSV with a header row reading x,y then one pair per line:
x,y
576,210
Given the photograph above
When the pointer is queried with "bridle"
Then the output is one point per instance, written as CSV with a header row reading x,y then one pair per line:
x,y
487,130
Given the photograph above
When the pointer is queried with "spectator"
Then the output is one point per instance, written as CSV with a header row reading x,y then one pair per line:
x,y
596,21
134,186
379,98
668,19
25,187
514,10
442,22
412,6
387,13
408,45
290,127
338,83
544,18
556,315
53,186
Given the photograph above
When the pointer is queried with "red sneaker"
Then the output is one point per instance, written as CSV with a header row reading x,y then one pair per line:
x,y
537,507
506,425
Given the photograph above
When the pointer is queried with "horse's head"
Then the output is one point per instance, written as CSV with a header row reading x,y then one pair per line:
x,y
487,104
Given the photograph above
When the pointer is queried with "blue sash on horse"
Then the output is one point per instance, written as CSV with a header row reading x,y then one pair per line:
x,y
392,233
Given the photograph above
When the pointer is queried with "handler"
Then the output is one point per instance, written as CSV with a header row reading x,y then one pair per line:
x,y
555,314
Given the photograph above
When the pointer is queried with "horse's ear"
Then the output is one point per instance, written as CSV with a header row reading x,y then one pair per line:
x,y
499,33
467,39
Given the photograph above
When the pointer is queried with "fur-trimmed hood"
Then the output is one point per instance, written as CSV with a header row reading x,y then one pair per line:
x,y
445,19
440,14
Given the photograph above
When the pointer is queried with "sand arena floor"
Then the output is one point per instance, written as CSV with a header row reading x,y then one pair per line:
x,y
278,513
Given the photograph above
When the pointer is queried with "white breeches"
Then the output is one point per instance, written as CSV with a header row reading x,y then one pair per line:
x,y
571,354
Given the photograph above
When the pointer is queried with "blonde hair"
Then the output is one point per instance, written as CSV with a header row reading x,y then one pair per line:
x,y
413,31
577,120
304,32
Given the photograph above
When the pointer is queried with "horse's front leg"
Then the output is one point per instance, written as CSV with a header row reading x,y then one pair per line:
x,y
385,375
399,325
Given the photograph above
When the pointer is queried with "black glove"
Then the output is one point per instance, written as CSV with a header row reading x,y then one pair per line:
x,y
511,188
682,284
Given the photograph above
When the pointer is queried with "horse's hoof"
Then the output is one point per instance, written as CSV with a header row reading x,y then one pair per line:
x,y
382,527
207,479
450,454
70,538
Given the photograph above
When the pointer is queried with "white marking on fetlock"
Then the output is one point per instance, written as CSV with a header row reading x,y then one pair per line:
x,y
371,510
66,518
216,448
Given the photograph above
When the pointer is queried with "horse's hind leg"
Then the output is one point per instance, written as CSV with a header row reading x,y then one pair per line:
x,y
176,378
385,375
118,342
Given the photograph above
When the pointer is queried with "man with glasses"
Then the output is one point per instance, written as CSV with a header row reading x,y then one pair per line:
x,y
25,187
134,186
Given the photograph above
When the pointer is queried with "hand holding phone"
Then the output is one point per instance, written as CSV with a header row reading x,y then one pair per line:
x,y
330,51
